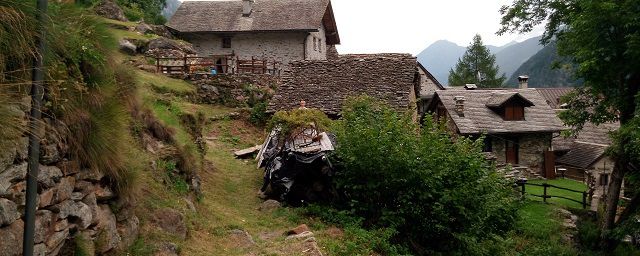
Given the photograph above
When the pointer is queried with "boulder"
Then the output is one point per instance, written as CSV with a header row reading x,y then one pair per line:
x,y
103,193
90,175
49,154
84,187
110,10
241,238
75,209
167,249
171,221
56,240
8,212
164,47
128,231
128,47
64,189
162,30
48,176
269,205
68,168
40,250
44,226
143,28
107,237
11,175
90,200
298,230
302,235
46,197
61,225
77,196
12,239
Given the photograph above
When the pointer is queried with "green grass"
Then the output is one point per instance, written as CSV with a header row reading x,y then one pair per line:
x,y
163,83
539,231
565,183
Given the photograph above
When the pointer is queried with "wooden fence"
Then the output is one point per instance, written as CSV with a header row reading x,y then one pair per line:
x,y
523,183
223,64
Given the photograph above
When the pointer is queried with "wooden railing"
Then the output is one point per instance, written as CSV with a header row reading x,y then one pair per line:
x,y
523,183
223,64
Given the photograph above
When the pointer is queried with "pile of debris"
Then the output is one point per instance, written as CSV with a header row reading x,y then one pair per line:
x,y
297,168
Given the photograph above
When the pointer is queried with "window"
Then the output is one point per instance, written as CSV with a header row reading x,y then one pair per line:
x,y
315,44
487,144
513,112
604,179
226,42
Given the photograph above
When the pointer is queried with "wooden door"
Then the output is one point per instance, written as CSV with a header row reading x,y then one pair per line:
x,y
511,151
549,164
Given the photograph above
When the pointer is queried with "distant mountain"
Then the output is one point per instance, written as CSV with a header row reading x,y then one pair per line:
x,y
443,55
541,73
511,57
440,57
170,8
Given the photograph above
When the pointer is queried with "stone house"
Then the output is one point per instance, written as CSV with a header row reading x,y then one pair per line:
x,y
518,124
582,157
279,31
325,85
428,85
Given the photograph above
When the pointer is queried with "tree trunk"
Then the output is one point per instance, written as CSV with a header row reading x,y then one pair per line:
x,y
611,202
631,208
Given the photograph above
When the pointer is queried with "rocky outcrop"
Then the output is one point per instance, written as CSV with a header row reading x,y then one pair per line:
x,y
110,10
159,30
127,47
165,47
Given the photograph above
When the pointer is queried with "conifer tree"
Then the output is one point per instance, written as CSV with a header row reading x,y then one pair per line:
x,y
477,66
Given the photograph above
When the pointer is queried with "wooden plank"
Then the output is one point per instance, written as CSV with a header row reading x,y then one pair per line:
x,y
247,151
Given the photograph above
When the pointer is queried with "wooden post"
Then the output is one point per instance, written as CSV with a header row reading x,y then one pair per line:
x,y
186,67
544,196
157,65
584,200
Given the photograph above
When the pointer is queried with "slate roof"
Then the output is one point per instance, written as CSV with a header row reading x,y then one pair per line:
x,y
267,15
479,118
590,133
582,155
325,85
499,99
553,95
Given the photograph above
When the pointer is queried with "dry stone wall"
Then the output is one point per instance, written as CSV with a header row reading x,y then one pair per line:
x,y
235,90
71,202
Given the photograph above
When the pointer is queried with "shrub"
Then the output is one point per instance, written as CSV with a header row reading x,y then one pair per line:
x,y
439,193
295,121
258,114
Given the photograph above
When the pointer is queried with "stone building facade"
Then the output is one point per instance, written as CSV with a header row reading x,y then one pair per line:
x,y
279,31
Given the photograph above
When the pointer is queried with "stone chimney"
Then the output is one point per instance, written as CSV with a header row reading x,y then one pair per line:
x,y
247,7
459,104
523,82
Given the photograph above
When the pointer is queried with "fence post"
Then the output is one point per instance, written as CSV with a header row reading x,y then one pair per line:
x,y
544,196
157,65
186,66
584,200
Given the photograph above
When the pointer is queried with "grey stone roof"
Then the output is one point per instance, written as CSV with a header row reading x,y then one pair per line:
x,y
553,95
499,99
267,15
582,155
479,118
325,85
590,133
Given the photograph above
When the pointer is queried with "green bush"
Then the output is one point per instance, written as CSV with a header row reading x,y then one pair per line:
x,y
437,191
258,114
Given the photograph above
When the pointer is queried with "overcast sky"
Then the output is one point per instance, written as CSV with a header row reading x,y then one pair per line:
x,y
409,26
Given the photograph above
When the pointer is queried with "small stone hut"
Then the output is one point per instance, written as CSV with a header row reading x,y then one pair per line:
x,y
518,123
325,85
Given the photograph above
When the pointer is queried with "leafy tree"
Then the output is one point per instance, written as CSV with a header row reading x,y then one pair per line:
x,y
603,39
477,66
440,194
150,10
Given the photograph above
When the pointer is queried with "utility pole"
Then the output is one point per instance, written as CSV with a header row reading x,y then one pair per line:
x,y
37,93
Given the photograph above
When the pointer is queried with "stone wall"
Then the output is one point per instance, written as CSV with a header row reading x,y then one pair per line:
x,y
530,152
235,90
319,50
280,47
72,202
